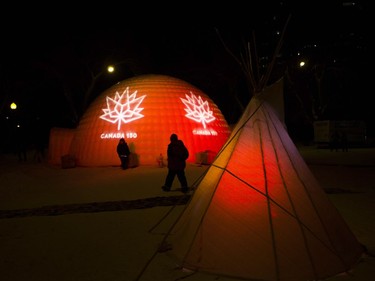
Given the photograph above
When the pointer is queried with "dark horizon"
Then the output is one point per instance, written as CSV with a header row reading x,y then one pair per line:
x,y
50,55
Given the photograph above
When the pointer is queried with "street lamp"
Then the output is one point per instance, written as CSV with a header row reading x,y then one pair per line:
x,y
110,68
13,106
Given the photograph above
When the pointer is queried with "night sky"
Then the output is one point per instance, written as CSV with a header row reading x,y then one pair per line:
x,y
49,54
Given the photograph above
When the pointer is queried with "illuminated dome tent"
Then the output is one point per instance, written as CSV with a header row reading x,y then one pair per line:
x,y
146,110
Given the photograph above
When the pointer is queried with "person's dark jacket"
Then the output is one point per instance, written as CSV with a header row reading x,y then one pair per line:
x,y
177,155
123,149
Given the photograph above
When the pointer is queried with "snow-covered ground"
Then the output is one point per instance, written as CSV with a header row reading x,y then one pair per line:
x,y
106,224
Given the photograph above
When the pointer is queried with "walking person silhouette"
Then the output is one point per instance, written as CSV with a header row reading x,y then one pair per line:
x,y
177,154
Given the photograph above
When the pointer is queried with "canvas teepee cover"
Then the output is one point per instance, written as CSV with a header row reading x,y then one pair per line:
x,y
259,213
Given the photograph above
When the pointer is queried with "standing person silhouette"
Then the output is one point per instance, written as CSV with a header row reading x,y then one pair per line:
x,y
123,152
177,154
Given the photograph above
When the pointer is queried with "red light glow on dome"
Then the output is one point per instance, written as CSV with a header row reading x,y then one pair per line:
x,y
146,110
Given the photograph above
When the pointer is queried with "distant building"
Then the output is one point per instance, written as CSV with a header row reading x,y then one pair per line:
x,y
355,131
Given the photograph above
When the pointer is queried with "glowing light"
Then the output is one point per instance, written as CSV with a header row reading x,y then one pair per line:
x,y
13,105
204,132
198,110
110,69
123,108
128,135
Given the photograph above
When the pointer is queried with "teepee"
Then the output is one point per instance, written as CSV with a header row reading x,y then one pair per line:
x,y
258,213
